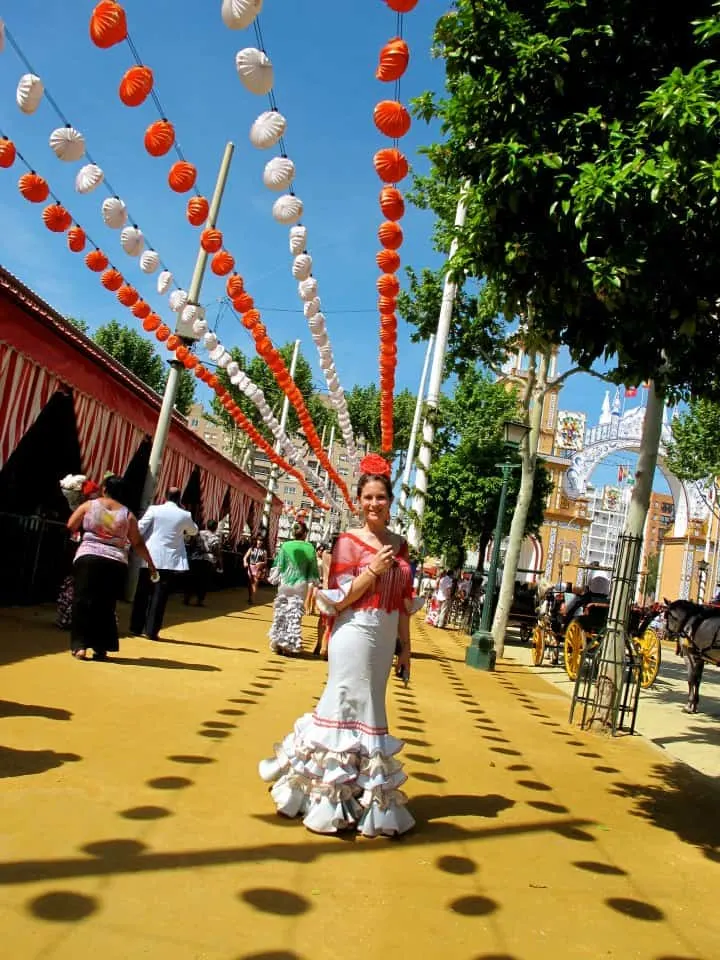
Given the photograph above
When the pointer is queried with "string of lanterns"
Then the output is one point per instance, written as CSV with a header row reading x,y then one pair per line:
x,y
69,145
256,74
108,27
58,219
392,120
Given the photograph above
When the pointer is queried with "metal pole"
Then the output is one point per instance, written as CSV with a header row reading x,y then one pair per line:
x,y
436,378
163,425
274,471
328,513
407,472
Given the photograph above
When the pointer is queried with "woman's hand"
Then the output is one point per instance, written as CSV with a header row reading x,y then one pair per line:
x,y
382,561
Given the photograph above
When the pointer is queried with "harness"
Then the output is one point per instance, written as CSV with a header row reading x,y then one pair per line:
x,y
689,628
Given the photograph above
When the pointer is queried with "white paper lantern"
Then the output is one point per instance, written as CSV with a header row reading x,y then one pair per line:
x,y
224,359
217,351
279,173
287,209
302,266
308,288
88,178
67,144
319,319
232,368
210,341
242,381
149,261
267,129
132,241
189,313
239,14
255,70
298,240
235,378
114,212
320,339
29,92
311,307
164,281
177,300
200,326
332,383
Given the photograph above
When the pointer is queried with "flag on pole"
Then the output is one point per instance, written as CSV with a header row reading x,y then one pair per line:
x,y
630,392
625,475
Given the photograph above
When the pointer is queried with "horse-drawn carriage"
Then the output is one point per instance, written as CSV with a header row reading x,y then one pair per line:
x,y
554,639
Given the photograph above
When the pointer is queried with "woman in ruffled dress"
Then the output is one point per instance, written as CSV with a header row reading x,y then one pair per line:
x,y
338,768
294,570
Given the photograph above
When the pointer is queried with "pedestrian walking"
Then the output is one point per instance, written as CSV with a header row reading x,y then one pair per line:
x,y
255,563
205,560
164,527
294,570
100,568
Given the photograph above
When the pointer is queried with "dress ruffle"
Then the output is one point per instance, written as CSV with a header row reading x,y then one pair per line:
x,y
339,778
286,629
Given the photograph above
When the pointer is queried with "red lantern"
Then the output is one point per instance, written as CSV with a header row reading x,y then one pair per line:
x,y
392,203
136,85
197,211
162,332
394,58
386,305
243,303
127,295
173,342
182,176
56,218
390,235
211,240
76,239
141,309
402,6
151,322
159,138
108,24
96,261
392,119
7,152
388,260
200,371
234,286
222,263
388,285
391,165
112,279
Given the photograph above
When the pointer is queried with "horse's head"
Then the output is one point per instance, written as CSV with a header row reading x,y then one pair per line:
x,y
677,615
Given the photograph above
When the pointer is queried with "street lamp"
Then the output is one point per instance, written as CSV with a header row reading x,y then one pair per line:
x,y
480,653
703,567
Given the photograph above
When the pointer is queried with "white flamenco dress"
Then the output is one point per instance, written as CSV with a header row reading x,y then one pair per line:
x,y
338,769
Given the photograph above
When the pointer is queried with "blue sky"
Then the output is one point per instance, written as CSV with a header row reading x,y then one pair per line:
x,y
324,54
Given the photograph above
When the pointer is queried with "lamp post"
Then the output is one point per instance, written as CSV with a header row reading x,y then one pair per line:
x,y
481,653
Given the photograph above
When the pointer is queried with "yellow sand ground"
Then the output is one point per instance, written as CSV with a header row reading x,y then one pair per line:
x,y
133,823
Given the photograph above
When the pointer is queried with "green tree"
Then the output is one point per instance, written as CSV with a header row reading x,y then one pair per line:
x,y
139,355
364,408
82,325
464,480
587,139
322,414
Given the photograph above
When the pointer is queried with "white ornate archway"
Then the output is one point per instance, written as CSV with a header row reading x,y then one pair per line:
x,y
623,432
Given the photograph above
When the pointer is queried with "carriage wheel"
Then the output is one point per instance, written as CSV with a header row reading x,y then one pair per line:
x,y
537,645
574,646
650,647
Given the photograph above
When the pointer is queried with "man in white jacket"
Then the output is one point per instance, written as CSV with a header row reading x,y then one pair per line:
x,y
164,528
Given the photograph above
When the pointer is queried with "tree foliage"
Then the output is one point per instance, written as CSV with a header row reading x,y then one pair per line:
x,y
322,414
589,135
694,453
139,355
465,480
364,408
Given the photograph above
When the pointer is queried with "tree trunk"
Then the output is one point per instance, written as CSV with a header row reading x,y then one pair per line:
x,y
627,562
532,403
482,550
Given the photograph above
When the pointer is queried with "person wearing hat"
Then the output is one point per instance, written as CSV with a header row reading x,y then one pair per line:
x,y
597,591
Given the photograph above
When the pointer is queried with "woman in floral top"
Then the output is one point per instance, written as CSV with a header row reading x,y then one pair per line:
x,y
295,568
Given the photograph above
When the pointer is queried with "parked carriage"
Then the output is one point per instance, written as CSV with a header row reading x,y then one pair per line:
x,y
551,642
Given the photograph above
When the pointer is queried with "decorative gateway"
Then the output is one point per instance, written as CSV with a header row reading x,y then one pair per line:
x,y
611,499
570,432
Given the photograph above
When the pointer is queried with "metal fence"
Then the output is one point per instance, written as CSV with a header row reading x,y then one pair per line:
x,y
35,557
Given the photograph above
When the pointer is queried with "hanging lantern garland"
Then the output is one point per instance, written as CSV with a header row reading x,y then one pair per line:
x,y
393,121
58,219
108,25
255,71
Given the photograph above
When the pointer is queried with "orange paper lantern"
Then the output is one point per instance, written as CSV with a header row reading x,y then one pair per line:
x,y
141,309
76,239
162,332
391,118
159,138
392,203
182,353
394,58
182,176
391,165
56,218
211,240
386,305
234,286
222,263
388,261
197,211
127,295
173,342
213,382
243,303
151,322
135,86
388,285
112,279
390,235
34,187
402,6
200,371
7,152
190,361
96,261
108,24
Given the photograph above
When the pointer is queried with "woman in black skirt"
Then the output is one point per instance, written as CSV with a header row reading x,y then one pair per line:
x,y
100,568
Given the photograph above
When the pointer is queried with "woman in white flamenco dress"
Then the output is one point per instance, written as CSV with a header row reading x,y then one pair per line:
x,y
338,769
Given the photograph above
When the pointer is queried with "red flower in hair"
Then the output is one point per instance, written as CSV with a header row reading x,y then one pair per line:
x,y
373,463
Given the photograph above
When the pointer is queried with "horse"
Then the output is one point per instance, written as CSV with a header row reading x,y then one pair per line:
x,y
700,626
